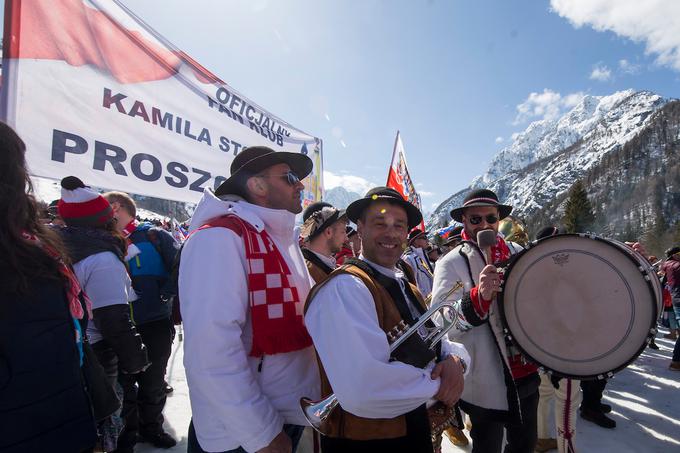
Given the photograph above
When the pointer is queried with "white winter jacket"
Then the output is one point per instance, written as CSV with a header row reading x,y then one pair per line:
x,y
238,400
485,385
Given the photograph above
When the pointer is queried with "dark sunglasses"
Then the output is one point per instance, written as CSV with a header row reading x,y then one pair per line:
x,y
477,219
290,177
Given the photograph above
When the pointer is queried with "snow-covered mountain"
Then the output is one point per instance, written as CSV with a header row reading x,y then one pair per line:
x,y
340,197
545,160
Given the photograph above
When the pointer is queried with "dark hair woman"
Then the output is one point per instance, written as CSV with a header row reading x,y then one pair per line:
x,y
43,401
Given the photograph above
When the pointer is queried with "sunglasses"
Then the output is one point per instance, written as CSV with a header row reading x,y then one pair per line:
x,y
290,177
477,219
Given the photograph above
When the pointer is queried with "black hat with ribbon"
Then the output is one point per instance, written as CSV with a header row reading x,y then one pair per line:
x,y
317,217
355,209
481,198
254,159
415,234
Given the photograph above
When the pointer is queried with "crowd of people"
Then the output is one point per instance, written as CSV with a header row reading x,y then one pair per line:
x,y
272,315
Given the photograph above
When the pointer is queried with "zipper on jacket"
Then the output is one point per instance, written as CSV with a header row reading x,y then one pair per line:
x,y
259,366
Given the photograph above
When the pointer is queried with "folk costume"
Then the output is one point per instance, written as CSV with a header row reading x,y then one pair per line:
x,y
502,389
419,262
382,397
242,283
317,218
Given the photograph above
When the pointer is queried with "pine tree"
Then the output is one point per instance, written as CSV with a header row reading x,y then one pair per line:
x,y
578,214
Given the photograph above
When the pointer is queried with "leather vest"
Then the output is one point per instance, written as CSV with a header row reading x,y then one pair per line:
x,y
341,423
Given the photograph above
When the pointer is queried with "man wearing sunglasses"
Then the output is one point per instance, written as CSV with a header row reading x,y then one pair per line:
x,y
242,285
501,385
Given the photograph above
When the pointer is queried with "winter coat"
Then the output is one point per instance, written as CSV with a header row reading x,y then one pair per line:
x,y
103,277
43,402
671,268
489,385
236,399
150,271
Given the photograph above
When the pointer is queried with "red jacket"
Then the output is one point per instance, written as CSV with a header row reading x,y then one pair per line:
x,y
672,270
343,254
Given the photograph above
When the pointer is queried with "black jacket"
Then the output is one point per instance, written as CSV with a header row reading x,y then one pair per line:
x,y
43,402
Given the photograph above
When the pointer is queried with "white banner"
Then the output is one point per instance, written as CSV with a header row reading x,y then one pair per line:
x,y
95,93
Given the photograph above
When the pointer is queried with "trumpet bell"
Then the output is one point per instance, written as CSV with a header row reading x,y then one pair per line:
x,y
317,411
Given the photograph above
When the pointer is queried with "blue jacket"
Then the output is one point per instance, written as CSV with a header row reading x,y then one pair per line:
x,y
150,272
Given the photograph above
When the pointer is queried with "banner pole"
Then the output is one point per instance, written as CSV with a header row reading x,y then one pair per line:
x,y
394,150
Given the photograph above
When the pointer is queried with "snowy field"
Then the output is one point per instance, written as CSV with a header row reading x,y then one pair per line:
x,y
645,399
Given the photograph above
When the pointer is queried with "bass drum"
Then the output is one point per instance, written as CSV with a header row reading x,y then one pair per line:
x,y
647,269
579,306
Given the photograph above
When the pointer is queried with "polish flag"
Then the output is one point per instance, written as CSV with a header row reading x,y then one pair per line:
x,y
399,179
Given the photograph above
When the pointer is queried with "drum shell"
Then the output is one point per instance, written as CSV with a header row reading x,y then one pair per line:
x,y
579,306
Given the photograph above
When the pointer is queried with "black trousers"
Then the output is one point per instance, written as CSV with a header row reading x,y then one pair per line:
x,y
487,432
592,394
417,439
144,393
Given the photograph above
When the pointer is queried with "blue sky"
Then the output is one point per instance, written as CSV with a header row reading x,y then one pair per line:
x,y
449,75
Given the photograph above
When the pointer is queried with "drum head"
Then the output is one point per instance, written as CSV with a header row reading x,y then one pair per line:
x,y
578,306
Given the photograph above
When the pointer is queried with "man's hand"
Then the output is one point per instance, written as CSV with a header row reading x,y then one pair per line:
x,y
638,248
489,282
280,444
450,371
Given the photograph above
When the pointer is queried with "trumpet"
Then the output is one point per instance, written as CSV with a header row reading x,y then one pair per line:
x,y
316,412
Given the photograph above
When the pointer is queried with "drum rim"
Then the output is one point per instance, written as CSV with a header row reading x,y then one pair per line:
x,y
507,334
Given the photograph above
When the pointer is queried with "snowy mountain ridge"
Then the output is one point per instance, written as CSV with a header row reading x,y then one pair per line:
x,y
545,160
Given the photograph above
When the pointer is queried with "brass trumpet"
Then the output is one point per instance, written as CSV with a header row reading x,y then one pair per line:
x,y
316,412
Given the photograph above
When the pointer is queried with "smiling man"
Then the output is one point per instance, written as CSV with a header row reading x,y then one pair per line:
x,y
242,286
501,384
382,395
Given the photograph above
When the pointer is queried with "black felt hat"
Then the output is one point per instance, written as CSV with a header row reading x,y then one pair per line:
x,y
254,159
319,216
672,251
355,209
481,197
547,232
415,234
455,236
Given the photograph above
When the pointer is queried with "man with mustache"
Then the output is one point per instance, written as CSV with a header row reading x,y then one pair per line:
x,y
351,315
501,385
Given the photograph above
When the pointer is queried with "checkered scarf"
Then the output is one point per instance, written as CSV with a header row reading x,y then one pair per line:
x,y
276,311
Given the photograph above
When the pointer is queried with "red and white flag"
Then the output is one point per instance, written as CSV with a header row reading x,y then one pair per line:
x,y
95,92
399,179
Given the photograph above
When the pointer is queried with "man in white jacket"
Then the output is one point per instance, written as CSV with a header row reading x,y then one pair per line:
x,y
242,286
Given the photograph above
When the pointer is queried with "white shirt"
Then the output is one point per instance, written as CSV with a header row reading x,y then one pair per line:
x,y
236,399
327,260
106,282
356,354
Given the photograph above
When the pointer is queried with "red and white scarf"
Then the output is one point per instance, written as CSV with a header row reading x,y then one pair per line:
x,y
276,311
499,252
74,289
130,228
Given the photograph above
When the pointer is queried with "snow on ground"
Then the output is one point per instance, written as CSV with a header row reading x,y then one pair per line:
x,y
645,399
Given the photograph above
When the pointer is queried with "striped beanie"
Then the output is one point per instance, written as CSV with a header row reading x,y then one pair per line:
x,y
81,206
